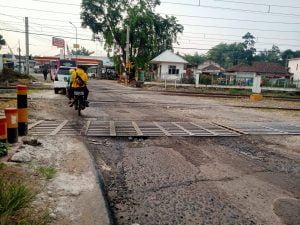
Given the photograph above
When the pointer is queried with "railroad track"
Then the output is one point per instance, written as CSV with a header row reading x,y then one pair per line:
x,y
219,95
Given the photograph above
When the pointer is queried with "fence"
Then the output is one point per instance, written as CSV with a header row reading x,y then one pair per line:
x,y
280,83
221,81
171,78
225,80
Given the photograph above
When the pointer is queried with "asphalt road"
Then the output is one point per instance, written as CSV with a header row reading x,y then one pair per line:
x,y
240,180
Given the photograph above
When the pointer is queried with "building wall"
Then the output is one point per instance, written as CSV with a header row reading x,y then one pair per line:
x,y
165,70
294,66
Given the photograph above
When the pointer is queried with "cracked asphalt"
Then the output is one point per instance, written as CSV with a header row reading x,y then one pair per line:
x,y
188,180
234,180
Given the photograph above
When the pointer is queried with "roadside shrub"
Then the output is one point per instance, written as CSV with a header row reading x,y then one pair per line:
x,y
10,75
205,79
13,196
188,80
3,149
17,193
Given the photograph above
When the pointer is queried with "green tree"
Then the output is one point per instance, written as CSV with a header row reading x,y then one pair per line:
x,y
82,51
289,54
2,41
273,55
228,55
195,59
250,50
150,33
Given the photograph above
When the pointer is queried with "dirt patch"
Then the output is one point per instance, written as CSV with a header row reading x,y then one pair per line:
x,y
288,210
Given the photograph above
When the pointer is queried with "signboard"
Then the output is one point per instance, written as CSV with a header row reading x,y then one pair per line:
x,y
76,46
58,42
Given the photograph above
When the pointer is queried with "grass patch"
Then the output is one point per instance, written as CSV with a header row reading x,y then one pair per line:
x,y
13,196
47,172
3,149
239,92
16,196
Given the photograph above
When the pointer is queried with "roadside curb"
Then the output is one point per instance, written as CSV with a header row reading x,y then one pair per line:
x,y
101,184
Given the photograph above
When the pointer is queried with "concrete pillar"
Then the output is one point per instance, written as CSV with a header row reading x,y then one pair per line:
x,y
197,80
256,84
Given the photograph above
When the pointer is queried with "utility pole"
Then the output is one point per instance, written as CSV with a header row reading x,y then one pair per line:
x,y
76,46
19,49
27,44
127,51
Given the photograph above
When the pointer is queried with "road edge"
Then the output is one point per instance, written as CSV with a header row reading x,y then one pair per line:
x,y
100,181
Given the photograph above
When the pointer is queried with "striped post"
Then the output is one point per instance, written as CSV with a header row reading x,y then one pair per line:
x,y
12,125
3,130
22,110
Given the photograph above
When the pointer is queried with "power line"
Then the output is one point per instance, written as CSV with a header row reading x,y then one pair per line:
x,y
59,3
48,35
232,41
257,4
241,28
175,3
37,18
238,41
51,28
182,24
233,9
228,1
38,10
233,19
230,35
207,49
47,26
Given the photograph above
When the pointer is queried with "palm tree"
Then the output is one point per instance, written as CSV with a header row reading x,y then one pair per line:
x,y
2,41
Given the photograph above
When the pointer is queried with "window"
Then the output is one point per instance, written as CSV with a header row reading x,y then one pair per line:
x,y
173,70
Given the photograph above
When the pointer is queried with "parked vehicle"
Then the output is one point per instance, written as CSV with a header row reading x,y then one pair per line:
x,y
55,65
79,103
37,69
62,80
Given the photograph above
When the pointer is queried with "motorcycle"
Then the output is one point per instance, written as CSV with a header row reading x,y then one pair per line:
x,y
80,103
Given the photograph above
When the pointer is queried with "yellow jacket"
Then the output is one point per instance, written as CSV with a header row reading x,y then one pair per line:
x,y
78,72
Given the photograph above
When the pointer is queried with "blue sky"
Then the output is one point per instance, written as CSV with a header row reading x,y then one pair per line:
x,y
199,33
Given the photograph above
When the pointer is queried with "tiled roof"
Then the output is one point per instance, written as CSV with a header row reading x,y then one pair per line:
x,y
211,67
260,67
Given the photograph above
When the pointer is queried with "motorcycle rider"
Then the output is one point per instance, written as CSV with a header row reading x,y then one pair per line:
x,y
70,91
79,79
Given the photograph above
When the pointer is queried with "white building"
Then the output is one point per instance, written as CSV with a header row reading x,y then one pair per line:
x,y
169,65
294,68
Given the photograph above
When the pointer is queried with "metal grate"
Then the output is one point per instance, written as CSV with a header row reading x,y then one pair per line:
x,y
95,128
267,128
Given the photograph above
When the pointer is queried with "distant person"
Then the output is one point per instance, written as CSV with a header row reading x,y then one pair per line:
x,y
45,72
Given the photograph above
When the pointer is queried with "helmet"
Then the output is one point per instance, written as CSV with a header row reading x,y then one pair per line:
x,y
83,67
71,71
